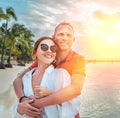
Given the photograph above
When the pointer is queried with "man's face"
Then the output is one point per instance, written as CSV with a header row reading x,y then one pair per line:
x,y
64,37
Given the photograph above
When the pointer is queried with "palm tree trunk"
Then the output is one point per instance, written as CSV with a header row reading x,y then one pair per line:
x,y
2,55
9,55
9,59
2,66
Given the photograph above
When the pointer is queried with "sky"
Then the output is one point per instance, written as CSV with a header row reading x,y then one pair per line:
x,y
96,22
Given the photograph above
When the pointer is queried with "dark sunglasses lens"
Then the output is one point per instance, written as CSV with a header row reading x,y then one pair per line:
x,y
53,48
44,47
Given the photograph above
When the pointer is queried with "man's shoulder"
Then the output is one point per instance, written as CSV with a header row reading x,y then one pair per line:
x,y
77,55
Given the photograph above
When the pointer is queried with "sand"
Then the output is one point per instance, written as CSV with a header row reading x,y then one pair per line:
x,y
7,94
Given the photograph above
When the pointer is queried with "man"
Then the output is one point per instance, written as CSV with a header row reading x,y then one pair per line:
x,y
67,59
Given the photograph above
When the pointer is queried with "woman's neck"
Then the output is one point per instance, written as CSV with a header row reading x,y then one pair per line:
x,y
41,67
38,74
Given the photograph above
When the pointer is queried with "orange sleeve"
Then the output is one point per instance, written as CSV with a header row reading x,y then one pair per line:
x,y
33,65
79,65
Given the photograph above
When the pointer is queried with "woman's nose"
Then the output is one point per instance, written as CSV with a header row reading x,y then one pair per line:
x,y
49,50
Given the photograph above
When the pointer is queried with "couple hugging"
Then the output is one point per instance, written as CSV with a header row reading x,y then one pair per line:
x,y
51,86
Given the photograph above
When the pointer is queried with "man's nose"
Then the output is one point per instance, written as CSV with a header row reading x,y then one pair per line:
x,y
65,37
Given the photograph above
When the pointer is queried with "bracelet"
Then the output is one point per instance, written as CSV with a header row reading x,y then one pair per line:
x,y
22,98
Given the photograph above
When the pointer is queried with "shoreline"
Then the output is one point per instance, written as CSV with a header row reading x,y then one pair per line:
x,y
8,75
7,94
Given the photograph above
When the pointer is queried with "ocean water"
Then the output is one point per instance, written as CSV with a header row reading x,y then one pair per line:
x,y
100,97
101,92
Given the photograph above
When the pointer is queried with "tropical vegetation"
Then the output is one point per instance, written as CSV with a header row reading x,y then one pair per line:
x,y
15,40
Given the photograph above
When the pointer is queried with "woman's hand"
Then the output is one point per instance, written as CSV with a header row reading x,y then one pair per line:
x,y
41,91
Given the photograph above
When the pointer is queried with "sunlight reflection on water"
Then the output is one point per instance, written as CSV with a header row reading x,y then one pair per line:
x,y
101,93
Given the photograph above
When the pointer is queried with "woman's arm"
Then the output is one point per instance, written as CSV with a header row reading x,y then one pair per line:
x,y
18,85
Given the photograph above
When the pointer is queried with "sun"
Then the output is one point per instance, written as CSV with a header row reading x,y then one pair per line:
x,y
111,39
105,42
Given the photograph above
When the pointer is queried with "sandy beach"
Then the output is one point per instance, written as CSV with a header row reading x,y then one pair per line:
x,y
7,95
8,75
100,97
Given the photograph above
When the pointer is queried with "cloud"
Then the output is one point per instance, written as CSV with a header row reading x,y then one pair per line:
x,y
79,13
42,16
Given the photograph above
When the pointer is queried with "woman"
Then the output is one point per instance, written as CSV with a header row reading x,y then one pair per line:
x,y
44,80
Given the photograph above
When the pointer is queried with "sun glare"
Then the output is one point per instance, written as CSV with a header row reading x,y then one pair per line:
x,y
111,39
106,42
117,26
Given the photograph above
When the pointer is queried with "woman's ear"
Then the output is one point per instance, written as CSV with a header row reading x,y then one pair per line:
x,y
34,56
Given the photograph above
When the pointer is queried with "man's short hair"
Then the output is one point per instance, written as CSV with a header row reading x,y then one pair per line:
x,y
64,23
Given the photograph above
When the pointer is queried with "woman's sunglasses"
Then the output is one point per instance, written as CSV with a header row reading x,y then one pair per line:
x,y
45,47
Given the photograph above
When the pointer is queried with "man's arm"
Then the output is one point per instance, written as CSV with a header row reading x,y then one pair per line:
x,y
69,92
18,85
64,94
26,108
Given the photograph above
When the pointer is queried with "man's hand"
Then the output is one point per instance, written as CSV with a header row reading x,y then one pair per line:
x,y
36,103
26,108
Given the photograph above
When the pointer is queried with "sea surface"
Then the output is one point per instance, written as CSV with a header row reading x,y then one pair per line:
x,y
101,93
100,97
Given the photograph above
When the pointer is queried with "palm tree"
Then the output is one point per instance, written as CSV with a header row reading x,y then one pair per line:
x,y
3,40
6,16
18,35
2,16
13,35
25,45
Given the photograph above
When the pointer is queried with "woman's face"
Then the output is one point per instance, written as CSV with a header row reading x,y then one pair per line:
x,y
46,52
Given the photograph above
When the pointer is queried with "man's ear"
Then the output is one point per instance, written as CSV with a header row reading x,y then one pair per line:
x,y
53,36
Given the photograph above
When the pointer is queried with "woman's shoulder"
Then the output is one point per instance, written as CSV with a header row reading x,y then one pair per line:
x,y
29,73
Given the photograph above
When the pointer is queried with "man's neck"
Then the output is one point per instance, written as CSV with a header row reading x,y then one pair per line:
x,y
61,56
